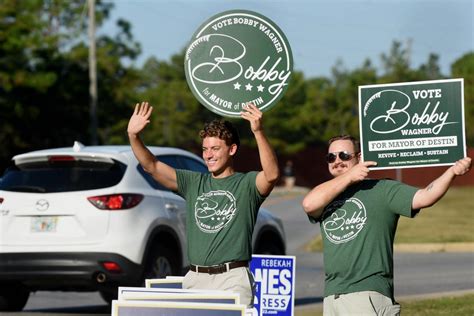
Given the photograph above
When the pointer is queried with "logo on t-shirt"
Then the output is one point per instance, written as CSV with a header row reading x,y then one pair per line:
x,y
214,210
343,220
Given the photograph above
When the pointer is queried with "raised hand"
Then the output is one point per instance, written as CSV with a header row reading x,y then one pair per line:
x,y
462,166
252,114
140,118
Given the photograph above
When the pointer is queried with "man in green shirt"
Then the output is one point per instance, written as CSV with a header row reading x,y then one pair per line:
x,y
221,206
358,218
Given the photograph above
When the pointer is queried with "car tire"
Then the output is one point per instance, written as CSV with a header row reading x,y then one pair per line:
x,y
268,249
13,298
109,295
161,262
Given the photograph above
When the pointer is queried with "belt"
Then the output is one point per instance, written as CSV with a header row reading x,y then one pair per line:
x,y
219,268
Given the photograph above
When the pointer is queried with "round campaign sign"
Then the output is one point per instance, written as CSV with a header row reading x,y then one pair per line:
x,y
235,58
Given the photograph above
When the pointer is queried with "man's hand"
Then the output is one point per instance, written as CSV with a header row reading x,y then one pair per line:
x,y
252,114
462,166
360,171
140,118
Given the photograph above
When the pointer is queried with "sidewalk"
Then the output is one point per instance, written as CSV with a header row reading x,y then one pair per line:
x,y
435,247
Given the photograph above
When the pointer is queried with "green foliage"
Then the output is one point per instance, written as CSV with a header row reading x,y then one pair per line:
x,y
464,68
281,123
177,115
44,74
44,87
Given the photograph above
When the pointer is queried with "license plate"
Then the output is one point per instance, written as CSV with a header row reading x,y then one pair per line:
x,y
44,224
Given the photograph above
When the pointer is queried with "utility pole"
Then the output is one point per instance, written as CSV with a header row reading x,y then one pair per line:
x,y
92,74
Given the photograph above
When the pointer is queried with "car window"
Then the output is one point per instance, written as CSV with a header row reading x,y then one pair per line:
x,y
175,161
48,176
170,160
193,164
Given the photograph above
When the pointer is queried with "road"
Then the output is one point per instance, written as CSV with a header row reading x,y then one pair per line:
x,y
415,274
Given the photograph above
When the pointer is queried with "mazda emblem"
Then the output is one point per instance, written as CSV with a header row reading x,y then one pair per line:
x,y
42,205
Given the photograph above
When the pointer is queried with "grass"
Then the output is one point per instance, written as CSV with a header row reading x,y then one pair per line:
x,y
444,306
450,220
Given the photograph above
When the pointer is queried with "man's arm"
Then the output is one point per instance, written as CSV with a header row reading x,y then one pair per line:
x,y
435,190
161,172
319,197
268,177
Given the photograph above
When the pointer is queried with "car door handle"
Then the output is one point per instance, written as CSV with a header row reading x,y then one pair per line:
x,y
171,207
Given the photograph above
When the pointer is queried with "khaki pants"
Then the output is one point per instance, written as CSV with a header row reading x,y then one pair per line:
x,y
360,303
238,280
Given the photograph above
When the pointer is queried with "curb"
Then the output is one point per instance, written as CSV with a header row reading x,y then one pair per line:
x,y
435,247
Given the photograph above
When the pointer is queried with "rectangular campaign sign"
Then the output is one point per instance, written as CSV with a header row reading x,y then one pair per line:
x,y
125,290
169,282
224,298
275,284
147,308
412,124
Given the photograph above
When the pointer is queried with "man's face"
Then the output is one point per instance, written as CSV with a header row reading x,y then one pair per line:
x,y
338,166
217,154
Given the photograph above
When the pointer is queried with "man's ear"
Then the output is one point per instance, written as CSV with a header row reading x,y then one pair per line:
x,y
233,149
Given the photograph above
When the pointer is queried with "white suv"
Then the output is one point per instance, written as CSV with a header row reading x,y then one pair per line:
x,y
88,218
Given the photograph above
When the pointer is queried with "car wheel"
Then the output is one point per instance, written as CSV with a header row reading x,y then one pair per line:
x,y
161,263
109,295
13,298
268,249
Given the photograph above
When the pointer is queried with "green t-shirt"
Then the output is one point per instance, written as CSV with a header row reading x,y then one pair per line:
x,y
358,228
221,215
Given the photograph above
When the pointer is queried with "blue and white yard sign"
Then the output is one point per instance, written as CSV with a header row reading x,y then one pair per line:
x,y
275,284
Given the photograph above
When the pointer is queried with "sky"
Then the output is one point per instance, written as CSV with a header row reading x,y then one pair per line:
x,y
319,32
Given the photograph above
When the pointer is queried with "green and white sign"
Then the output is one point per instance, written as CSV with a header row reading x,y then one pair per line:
x,y
235,58
413,124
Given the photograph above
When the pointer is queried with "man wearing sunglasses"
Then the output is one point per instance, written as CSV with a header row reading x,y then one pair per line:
x,y
358,218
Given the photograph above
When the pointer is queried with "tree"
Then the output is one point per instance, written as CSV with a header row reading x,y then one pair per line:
x,y
44,74
177,115
464,68
396,65
282,126
431,70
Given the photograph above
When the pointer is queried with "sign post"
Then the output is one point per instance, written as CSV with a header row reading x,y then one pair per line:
x,y
413,124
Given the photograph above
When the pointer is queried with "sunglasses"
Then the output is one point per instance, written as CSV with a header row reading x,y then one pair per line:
x,y
343,155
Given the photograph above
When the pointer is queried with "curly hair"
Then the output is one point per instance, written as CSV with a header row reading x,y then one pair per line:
x,y
221,129
354,141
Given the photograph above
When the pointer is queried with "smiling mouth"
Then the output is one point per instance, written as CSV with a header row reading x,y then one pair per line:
x,y
211,162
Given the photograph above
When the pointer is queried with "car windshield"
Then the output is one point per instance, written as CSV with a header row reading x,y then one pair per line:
x,y
47,176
